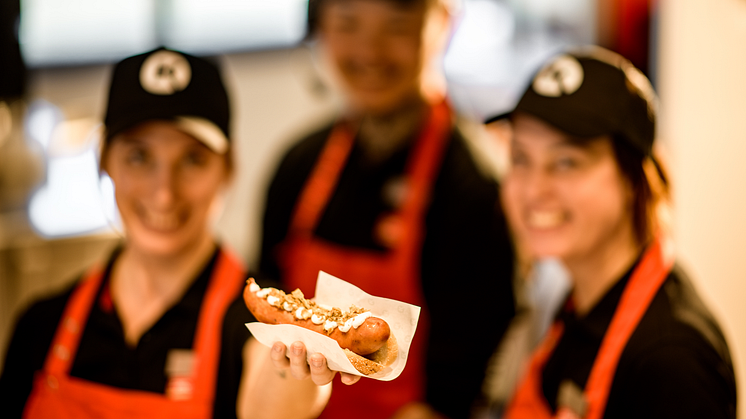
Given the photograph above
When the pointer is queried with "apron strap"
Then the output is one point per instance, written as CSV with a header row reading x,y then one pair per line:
x,y
421,168
644,284
67,337
322,181
428,155
225,285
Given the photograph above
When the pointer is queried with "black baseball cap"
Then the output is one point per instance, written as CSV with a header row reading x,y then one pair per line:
x,y
590,92
164,84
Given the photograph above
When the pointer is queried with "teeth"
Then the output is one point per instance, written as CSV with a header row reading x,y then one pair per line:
x,y
545,219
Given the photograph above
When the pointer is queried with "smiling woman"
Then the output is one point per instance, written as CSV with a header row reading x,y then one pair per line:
x,y
166,184
633,340
159,331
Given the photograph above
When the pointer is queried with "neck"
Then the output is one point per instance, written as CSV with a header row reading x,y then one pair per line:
x,y
144,286
595,273
164,276
382,134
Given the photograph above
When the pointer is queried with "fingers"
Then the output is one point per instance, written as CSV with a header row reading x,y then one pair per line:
x,y
320,372
300,366
349,379
277,354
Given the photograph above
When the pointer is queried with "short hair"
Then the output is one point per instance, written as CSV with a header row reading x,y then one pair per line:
x,y
314,9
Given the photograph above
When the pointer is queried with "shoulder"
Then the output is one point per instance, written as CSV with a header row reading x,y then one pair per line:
x,y
466,189
296,164
304,152
678,355
677,314
28,349
43,315
464,162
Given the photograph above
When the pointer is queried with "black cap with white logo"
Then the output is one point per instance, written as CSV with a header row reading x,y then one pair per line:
x,y
169,85
591,92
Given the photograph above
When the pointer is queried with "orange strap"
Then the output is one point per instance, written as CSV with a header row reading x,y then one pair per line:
x,y
645,282
223,288
65,343
323,180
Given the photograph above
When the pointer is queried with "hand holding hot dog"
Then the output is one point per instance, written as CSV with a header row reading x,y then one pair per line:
x,y
366,340
300,366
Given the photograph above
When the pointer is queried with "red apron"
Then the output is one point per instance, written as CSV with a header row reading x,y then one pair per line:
x,y
647,278
393,274
58,395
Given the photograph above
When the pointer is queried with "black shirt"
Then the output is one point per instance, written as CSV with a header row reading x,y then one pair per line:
x,y
676,363
104,357
466,261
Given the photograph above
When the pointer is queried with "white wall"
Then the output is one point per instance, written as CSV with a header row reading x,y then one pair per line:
x,y
702,86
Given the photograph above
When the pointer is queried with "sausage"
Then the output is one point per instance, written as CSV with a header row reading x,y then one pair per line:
x,y
273,306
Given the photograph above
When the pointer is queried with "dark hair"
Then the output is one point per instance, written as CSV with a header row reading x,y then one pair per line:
x,y
314,10
650,185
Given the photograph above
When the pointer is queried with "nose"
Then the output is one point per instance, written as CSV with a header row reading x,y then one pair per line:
x,y
164,186
369,48
537,184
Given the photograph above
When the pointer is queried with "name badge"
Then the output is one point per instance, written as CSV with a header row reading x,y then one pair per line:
x,y
179,370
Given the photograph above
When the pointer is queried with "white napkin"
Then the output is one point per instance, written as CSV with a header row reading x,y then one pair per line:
x,y
331,291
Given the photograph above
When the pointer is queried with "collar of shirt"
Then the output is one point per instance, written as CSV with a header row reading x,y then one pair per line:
x,y
190,302
595,323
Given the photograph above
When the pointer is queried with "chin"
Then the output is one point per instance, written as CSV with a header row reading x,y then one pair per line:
x,y
160,243
546,248
378,102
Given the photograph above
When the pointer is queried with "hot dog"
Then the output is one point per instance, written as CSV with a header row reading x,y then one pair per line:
x,y
367,340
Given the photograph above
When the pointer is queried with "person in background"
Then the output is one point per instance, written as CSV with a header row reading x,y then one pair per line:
x,y
158,331
390,198
585,185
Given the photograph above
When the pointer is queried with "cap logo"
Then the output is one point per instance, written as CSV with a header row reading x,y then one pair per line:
x,y
165,73
564,75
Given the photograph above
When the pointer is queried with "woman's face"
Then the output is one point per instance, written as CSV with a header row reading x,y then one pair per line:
x,y
564,198
166,183
376,49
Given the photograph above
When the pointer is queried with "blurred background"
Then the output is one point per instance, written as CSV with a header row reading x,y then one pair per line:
x,y
57,213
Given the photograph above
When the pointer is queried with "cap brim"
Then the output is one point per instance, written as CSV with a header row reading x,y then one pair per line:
x,y
205,131
201,129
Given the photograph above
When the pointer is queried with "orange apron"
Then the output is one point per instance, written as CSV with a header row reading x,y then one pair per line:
x,y
393,274
647,278
58,395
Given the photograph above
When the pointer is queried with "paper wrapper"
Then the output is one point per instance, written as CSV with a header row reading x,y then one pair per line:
x,y
331,291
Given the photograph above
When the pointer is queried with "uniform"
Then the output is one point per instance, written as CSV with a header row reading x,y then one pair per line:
x,y
103,376
648,349
442,247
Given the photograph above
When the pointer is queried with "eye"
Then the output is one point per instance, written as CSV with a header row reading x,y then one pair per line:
x,y
564,163
196,158
518,158
137,156
343,25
